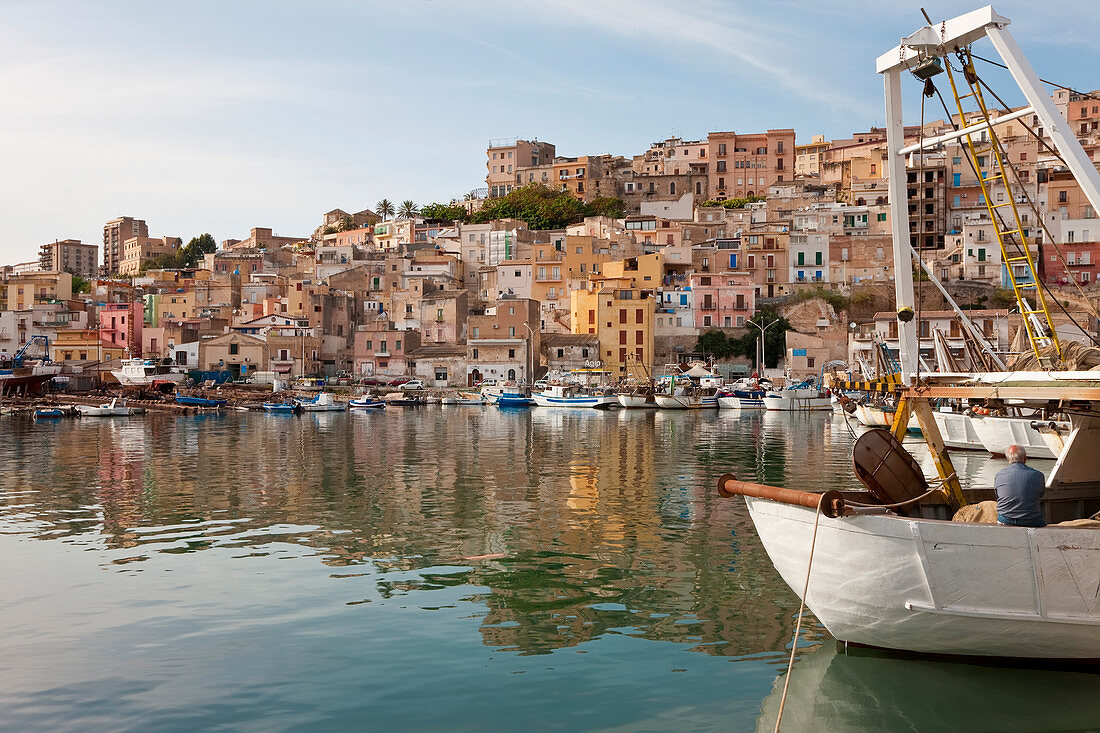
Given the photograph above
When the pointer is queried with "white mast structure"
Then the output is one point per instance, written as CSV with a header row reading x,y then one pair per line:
x,y
938,40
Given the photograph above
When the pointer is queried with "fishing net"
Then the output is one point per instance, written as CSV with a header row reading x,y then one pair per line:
x,y
1075,358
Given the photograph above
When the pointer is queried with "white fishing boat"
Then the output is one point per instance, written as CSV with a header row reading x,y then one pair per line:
x,y
996,433
876,416
115,408
957,430
572,395
323,402
744,394
798,398
891,572
366,401
463,398
636,396
691,399
146,372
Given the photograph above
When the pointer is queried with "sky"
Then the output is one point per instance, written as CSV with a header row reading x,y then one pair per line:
x,y
222,116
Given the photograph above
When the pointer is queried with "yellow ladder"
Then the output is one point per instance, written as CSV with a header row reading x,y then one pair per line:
x,y
1037,321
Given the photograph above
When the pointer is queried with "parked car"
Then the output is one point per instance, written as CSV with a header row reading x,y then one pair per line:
x,y
399,381
412,384
372,381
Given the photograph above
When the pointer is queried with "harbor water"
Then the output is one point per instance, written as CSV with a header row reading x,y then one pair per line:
x,y
443,568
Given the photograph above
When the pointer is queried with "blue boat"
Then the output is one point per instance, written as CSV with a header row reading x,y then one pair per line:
x,y
366,402
284,408
49,413
199,401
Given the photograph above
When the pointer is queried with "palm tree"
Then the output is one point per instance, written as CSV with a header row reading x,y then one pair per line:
x,y
408,209
385,208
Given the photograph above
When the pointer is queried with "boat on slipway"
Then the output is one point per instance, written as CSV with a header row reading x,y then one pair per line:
x,y
883,566
147,372
205,402
117,407
572,395
30,369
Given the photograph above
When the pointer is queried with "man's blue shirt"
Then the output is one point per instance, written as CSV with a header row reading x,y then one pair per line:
x,y
1018,491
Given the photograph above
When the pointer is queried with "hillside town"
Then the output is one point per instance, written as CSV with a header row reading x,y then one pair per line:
x,y
561,263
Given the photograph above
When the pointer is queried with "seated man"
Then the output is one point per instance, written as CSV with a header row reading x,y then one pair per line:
x,y
1018,491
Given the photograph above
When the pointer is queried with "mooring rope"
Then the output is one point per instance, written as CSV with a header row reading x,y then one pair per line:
x,y
801,612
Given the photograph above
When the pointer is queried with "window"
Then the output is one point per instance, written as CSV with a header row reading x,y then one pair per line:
x,y
622,315
622,337
638,315
397,345
511,332
475,353
234,349
511,353
440,375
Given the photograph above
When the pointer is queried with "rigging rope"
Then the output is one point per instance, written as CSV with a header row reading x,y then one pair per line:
x,y
801,612
1031,204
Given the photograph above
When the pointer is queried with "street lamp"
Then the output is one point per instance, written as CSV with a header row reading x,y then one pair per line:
x,y
760,346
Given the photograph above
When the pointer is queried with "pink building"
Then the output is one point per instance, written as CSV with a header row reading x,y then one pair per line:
x,y
723,299
120,324
380,350
1082,259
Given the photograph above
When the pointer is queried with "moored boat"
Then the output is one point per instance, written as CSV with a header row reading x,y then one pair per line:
x,y
283,408
572,395
797,398
323,402
957,431
996,433
366,402
49,413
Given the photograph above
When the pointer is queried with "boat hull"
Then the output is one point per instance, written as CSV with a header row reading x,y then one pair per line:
x,y
366,404
939,587
957,432
797,404
598,402
997,433
741,403
686,402
635,401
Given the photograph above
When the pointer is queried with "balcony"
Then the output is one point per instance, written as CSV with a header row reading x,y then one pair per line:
x,y
707,307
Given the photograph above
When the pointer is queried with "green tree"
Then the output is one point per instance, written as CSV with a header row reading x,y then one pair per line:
x,y
716,344
193,252
384,209
80,285
443,212
733,203
607,206
345,225
775,342
408,209
544,208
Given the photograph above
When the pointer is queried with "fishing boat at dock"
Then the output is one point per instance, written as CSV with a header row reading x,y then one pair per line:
x,y
798,398
366,402
204,402
147,372
323,402
573,395
904,564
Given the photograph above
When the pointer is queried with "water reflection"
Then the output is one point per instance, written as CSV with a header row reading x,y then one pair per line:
x,y
537,531
874,691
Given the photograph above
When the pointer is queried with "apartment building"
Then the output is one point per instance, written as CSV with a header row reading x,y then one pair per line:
x,y
138,251
745,165
808,157
70,255
115,234
504,342
623,318
22,291
724,299
504,158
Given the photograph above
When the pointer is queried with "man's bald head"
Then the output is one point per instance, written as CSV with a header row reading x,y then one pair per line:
x,y
1016,454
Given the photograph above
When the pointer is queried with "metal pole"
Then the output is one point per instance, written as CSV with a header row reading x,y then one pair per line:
x,y
899,221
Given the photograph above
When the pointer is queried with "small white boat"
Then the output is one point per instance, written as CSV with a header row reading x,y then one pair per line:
x,y
366,402
693,400
115,408
997,433
640,396
956,430
463,398
876,416
798,398
571,395
323,402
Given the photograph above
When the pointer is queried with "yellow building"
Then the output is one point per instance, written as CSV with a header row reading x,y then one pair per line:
x,y
622,317
644,272
20,292
83,344
176,305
